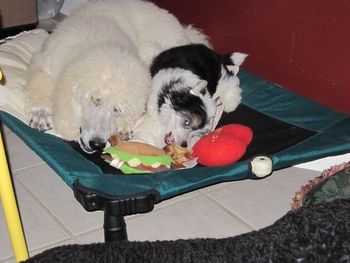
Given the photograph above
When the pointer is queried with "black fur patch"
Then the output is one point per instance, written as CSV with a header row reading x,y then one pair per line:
x,y
190,106
166,90
186,104
199,59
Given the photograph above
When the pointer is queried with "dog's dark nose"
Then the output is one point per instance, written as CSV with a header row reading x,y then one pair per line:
x,y
184,144
97,144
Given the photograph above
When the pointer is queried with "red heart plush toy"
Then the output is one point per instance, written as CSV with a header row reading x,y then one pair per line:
x,y
223,146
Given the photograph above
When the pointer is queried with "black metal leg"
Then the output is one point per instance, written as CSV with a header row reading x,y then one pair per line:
x,y
114,227
115,208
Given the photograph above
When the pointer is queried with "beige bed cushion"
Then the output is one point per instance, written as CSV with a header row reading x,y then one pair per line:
x,y
15,55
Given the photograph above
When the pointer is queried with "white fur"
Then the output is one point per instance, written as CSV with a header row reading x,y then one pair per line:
x,y
228,89
195,35
92,72
238,58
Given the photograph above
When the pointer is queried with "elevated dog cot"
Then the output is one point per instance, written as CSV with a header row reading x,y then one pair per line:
x,y
288,128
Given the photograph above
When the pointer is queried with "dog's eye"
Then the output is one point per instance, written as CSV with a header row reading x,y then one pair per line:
x,y
116,109
187,124
96,101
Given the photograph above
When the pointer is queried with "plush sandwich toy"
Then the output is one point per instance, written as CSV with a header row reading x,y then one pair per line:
x,y
223,146
182,157
136,157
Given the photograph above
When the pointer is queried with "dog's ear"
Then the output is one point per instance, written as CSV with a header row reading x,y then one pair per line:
x,y
200,87
96,100
233,69
238,58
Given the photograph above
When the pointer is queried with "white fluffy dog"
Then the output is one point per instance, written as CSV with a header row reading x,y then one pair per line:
x,y
91,79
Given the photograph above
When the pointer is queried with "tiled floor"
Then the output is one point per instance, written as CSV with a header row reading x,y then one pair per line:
x,y
51,216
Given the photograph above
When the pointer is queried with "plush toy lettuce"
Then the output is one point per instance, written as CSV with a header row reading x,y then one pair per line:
x,y
130,163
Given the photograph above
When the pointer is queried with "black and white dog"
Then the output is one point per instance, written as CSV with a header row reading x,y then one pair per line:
x,y
188,83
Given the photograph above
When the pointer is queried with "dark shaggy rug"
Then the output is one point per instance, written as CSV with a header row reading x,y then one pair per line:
x,y
319,233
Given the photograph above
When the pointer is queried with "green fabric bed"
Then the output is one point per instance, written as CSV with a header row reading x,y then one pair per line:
x,y
332,137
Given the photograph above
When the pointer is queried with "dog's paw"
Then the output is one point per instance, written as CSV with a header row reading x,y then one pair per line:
x,y
41,119
126,134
